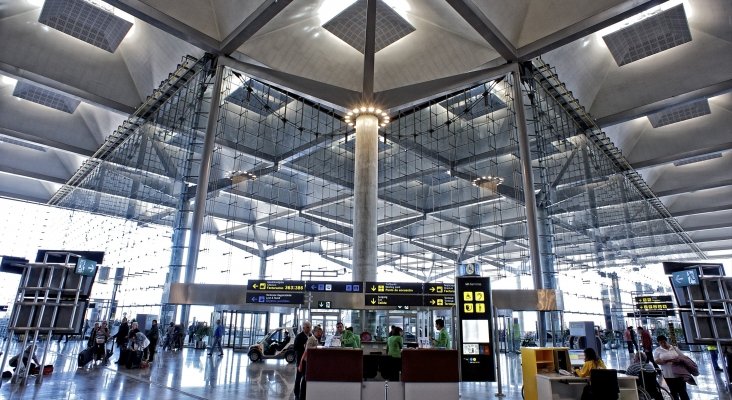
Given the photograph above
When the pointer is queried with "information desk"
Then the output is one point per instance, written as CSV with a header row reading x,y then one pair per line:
x,y
553,386
426,374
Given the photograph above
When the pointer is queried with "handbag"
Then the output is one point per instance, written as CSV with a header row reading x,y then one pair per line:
x,y
688,364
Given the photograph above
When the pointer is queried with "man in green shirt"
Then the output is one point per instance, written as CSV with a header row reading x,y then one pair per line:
x,y
443,340
348,338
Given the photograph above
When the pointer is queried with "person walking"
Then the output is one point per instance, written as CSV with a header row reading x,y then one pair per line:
x,y
218,334
300,340
666,355
120,338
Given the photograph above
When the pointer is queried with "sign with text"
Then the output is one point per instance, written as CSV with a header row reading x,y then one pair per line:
x,y
394,287
683,278
439,301
381,300
276,298
654,306
439,288
338,287
477,359
327,304
275,286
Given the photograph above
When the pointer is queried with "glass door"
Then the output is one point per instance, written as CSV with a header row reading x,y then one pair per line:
x,y
244,329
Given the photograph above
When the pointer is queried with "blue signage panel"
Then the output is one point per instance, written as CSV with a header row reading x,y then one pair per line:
x,y
276,298
335,287
688,277
86,267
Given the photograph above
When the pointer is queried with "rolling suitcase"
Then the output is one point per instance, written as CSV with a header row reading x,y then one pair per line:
x,y
85,356
134,359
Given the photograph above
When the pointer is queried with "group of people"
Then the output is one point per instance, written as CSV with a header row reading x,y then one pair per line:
x,y
676,368
128,339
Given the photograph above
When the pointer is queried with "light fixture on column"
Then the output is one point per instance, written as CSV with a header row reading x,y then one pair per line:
x,y
352,115
488,182
241,176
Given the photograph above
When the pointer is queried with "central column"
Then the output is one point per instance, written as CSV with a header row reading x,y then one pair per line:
x,y
365,187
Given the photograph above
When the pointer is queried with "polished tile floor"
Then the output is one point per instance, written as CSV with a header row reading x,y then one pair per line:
x,y
190,374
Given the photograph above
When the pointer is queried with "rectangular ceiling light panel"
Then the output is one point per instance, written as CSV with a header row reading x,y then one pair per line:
x,y
679,113
350,26
652,35
86,22
45,97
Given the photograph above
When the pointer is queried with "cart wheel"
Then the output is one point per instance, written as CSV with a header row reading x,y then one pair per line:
x,y
254,356
290,357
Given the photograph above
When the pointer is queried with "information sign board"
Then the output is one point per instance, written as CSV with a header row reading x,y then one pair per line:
x,y
335,287
477,359
394,287
86,267
398,301
275,286
439,301
439,288
276,298
683,278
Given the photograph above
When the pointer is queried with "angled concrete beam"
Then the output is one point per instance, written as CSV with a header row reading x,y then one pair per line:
x,y
166,23
328,224
30,174
399,224
240,246
337,261
693,188
288,246
47,143
689,153
436,250
640,111
585,27
252,24
54,85
485,28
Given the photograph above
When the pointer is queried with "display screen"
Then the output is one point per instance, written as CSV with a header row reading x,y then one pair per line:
x,y
576,357
476,331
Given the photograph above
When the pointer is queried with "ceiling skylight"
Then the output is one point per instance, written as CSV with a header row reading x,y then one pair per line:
x,y
679,113
86,22
350,25
650,36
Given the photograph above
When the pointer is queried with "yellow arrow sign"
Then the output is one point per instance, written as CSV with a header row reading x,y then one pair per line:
x,y
432,302
373,301
254,286
373,288
432,289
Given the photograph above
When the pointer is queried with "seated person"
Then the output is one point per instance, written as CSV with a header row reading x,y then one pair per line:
x,y
591,362
27,358
639,363
281,345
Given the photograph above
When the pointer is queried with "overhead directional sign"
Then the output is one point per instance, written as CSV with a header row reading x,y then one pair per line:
x,y
685,278
439,288
276,298
276,286
339,287
324,304
394,287
654,306
378,300
439,301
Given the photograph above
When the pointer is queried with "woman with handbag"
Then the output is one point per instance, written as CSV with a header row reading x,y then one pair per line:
x,y
674,366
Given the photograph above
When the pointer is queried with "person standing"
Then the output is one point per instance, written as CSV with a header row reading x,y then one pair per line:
x,y
120,337
300,340
646,344
665,355
443,339
218,335
191,332
348,338
714,354
628,336
313,341
153,335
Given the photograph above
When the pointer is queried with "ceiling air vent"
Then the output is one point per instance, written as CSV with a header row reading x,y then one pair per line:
x,y
350,25
45,97
86,22
652,35
693,160
22,144
679,113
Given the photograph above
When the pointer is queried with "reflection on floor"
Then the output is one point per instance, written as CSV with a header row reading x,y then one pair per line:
x,y
190,374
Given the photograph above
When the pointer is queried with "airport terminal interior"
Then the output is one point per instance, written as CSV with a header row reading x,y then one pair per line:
x,y
539,175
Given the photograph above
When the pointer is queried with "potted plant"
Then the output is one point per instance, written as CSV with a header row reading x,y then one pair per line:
x,y
202,331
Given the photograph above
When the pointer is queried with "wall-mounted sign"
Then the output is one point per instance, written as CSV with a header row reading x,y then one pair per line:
x,y
275,286
86,267
439,288
654,306
394,287
335,287
275,298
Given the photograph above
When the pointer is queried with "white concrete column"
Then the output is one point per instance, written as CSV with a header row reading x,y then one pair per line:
x,y
365,187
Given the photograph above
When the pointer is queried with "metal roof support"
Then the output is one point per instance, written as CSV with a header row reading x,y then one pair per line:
x,y
527,178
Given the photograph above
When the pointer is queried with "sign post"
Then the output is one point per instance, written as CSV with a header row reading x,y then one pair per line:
x,y
475,309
